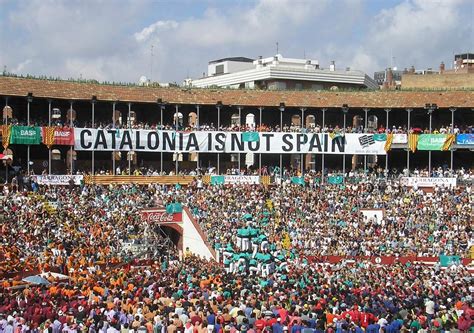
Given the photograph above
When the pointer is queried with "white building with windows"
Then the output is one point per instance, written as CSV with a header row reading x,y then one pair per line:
x,y
279,73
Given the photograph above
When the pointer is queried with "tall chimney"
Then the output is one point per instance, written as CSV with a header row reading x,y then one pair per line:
x,y
332,66
389,77
441,67
412,69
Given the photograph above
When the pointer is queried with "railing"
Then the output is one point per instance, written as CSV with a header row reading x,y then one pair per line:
x,y
140,180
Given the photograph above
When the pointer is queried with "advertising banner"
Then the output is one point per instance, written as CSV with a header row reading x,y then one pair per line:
x,y
225,142
59,179
465,139
231,179
58,136
400,138
431,141
446,261
25,135
160,216
428,182
234,179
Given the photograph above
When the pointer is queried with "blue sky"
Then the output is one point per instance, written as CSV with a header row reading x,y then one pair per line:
x,y
111,39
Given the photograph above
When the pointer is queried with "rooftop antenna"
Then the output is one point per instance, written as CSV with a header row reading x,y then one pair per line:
x,y
151,63
277,47
304,54
391,58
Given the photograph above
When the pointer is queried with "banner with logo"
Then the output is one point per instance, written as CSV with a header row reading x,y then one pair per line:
x,y
160,216
465,139
431,141
390,260
58,136
59,179
400,138
25,135
446,261
226,142
235,179
428,182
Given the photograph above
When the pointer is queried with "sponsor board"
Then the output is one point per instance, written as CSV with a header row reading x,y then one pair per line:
x,y
431,141
226,142
241,179
387,260
160,216
465,139
428,182
59,179
400,138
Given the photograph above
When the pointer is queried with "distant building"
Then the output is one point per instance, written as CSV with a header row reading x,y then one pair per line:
x,y
279,73
461,76
388,77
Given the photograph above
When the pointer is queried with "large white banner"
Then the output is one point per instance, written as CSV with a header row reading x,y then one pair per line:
x,y
428,182
225,142
59,179
235,179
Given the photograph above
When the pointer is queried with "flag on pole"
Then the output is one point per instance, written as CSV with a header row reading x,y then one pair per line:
x,y
388,143
412,142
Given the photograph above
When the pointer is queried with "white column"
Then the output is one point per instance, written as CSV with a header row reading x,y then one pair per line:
x,y
302,155
129,154
113,153
366,110
387,110
49,124
218,125
345,109
282,109
198,122
260,155
71,161
240,123
176,120
322,155
5,162
93,101
161,123
452,109
408,146
29,100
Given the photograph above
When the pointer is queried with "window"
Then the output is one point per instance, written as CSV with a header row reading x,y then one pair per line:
x,y
220,69
235,120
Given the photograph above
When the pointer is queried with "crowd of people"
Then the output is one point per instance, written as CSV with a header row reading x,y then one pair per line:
x,y
292,127
266,279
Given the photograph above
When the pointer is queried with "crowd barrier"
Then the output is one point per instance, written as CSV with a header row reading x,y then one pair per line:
x,y
383,260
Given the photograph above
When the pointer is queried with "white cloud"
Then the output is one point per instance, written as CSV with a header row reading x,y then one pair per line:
x,y
152,28
109,42
21,66
419,32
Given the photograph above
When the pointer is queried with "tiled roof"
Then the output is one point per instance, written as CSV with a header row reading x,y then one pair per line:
x,y
10,86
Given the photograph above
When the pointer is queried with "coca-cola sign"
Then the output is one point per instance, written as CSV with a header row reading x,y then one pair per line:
x,y
160,216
